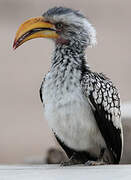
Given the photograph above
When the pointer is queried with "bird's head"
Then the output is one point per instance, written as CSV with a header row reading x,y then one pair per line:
x,y
63,25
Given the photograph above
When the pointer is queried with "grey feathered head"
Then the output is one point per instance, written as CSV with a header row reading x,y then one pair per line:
x,y
64,25
71,25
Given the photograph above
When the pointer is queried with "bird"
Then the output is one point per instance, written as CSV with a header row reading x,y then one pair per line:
x,y
82,107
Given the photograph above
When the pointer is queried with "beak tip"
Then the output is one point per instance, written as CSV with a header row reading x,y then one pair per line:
x,y
14,45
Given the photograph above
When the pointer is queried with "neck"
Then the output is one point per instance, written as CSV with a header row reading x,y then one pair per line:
x,y
68,67
69,56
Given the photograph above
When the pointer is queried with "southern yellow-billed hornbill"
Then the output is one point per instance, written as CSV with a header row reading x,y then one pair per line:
x,y
82,107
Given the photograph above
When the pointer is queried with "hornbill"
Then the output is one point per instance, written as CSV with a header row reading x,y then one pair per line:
x,y
82,107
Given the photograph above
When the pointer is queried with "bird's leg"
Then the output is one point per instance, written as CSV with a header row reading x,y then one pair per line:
x,y
99,161
71,161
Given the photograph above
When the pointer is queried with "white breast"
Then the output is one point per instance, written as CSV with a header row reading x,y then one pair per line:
x,y
70,116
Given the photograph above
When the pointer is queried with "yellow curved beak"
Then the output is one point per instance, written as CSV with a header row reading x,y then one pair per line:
x,y
34,28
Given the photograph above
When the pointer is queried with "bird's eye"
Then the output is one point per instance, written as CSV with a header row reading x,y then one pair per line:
x,y
59,25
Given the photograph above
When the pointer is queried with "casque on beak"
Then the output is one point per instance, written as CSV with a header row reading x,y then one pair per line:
x,y
34,28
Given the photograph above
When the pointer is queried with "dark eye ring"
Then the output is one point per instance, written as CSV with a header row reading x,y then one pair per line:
x,y
59,25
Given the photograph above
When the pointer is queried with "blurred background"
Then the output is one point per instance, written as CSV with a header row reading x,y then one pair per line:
x,y
24,133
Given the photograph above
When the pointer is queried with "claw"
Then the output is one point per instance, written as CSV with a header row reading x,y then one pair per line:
x,y
95,163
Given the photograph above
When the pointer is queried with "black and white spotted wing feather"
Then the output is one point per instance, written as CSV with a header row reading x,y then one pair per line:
x,y
105,102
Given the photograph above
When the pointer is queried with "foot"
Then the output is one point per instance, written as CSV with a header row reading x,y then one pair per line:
x,y
71,162
99,161
95,163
